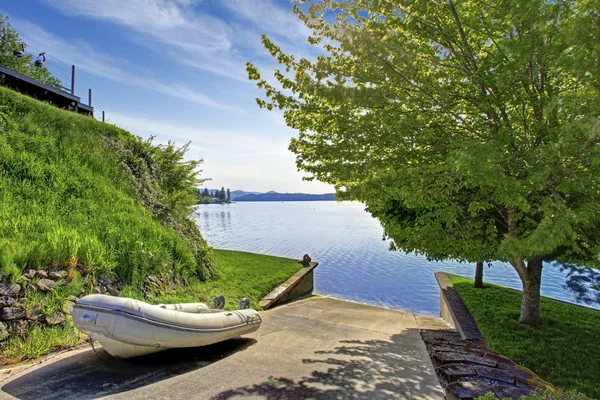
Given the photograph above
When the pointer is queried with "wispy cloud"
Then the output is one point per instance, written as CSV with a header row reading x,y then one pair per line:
x,y
102,65
185,30
172,27
269,17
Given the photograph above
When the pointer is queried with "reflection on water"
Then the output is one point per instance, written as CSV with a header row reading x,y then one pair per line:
x,y
354,262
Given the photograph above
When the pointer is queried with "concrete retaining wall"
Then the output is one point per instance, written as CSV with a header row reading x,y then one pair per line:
x,y
456,313
299,285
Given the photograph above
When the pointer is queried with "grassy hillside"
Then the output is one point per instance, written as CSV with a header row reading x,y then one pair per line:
x,y
75,191
86,207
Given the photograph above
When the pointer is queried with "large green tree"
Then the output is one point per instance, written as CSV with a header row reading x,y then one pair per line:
x,y
470,129
9,42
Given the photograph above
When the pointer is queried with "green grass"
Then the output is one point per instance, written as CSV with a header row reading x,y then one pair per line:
x,y
240,275
39,341
564,349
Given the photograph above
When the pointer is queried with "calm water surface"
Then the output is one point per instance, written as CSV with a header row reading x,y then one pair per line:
x,y
354,262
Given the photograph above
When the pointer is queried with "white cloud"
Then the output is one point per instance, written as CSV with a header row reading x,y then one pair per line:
x,y
269,18
88,59
170,27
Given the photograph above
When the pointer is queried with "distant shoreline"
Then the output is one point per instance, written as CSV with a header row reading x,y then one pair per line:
x,y
274,196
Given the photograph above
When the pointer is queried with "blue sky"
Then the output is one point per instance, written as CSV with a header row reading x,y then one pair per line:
x,y
176,69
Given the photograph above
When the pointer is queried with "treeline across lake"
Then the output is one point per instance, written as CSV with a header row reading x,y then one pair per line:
x,y
206,196
274,196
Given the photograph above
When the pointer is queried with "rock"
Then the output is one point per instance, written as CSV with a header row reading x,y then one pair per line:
x,y
495,374
510,392
30,274
244,304
112,290
61,283
11,313
449,357
40,273
121,286
152,278
100,289
7,288
24,278
18,327
45,285
480,360
453,372
55,318
67,308
172,286
35,315
73,299
109,280
58,274
466,390
6,301
219,302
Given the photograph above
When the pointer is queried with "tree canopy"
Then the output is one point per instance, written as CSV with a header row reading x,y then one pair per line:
x,y
469,129
9,42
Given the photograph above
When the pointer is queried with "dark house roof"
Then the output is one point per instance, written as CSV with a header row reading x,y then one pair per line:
x,y
41,91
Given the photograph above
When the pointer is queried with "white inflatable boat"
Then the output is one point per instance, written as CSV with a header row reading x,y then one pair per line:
x,y
128,328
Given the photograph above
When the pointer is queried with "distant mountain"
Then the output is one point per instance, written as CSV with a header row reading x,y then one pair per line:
x,y
235,194
274,196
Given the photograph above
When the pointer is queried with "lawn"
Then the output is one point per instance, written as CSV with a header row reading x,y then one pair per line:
x,y
564,349
240,275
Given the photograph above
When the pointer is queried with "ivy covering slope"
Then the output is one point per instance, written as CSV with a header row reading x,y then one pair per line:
x,y
77,191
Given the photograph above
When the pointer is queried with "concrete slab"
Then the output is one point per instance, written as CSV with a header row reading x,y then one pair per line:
x,y
313,349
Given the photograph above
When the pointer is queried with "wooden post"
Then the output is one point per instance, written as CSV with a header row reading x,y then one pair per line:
x,y
102,116
72,79
90,99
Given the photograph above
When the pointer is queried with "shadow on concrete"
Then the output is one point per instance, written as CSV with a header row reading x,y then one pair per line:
x,y
91,375
357,369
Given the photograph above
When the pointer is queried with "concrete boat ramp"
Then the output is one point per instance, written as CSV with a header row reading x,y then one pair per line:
x,y
317,348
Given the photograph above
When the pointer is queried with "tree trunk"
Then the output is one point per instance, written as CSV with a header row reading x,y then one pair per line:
x,y
479,275
530,306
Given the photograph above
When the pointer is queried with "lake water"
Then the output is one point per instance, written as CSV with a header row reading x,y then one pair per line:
x,y
354,262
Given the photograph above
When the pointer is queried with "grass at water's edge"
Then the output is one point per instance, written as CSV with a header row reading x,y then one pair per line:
x,y
240,275
563,350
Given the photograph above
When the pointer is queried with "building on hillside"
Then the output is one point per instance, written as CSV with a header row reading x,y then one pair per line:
x,y
43,92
